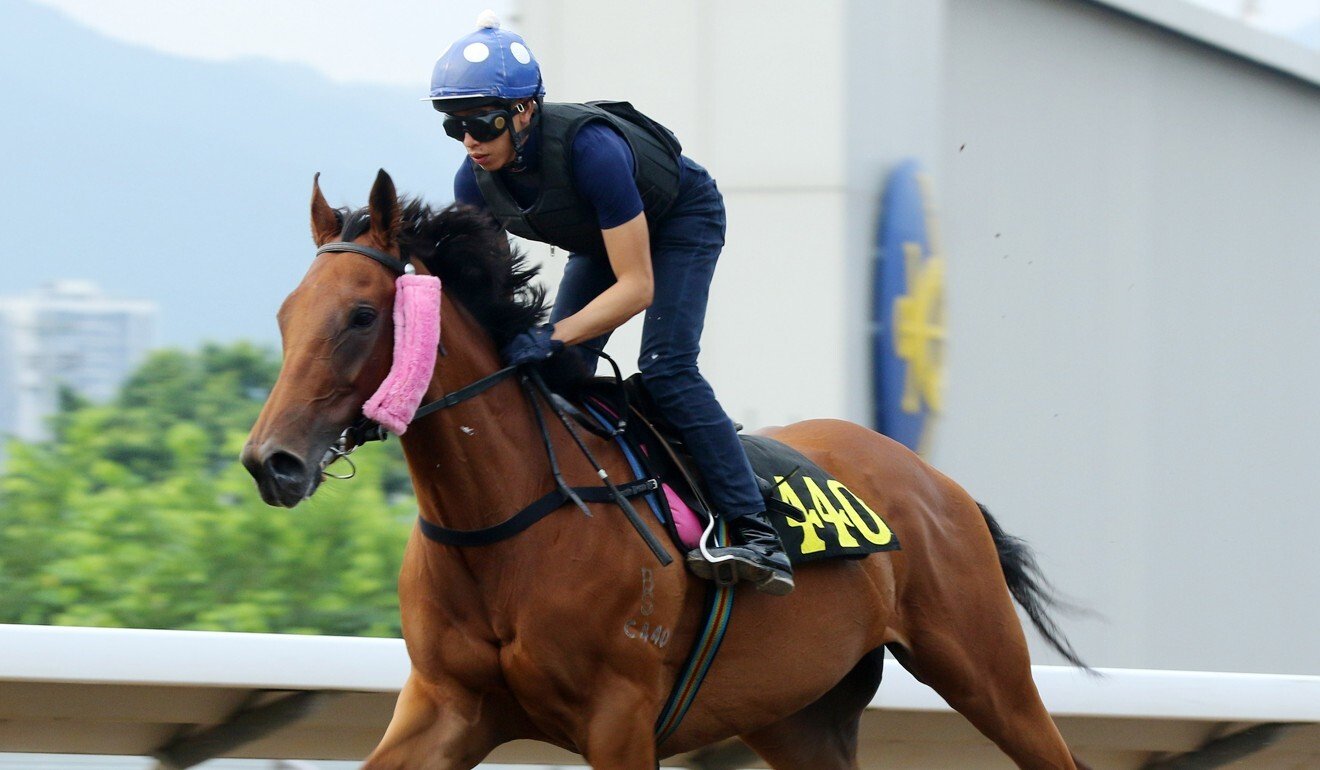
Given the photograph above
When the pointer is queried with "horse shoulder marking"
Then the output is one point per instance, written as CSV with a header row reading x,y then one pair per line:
x,y
651,633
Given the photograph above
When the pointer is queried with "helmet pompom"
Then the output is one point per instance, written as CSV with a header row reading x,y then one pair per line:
x,y
488,20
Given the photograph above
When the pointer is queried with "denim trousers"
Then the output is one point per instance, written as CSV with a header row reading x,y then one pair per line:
x,y
685,246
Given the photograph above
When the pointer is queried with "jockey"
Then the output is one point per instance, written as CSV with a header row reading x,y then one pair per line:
x,y
644,226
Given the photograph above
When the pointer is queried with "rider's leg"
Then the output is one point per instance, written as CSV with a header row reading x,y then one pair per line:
x,y
684,250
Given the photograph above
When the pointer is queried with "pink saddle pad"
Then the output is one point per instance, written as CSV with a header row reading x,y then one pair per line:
x,y
685,519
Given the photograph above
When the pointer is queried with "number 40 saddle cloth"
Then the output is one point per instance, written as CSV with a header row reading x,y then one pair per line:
x,y
815,515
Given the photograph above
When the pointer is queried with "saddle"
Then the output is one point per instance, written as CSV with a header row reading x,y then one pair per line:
x,y
815,515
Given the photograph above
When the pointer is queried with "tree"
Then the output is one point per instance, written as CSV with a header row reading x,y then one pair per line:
x,y
138,514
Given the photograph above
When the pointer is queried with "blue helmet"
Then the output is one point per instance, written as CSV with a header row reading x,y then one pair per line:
x,y
489,65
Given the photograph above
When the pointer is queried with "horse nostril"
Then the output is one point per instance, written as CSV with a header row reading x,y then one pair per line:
x,y
282,465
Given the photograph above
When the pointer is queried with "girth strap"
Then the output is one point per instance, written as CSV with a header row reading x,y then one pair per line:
x,y
719,608
528,516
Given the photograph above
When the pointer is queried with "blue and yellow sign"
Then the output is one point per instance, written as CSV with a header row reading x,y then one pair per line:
x,y
908,310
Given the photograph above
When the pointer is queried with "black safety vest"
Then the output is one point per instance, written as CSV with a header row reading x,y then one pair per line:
x,y
559,216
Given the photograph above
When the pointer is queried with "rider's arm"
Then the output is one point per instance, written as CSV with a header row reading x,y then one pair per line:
x,y
629,250
603,169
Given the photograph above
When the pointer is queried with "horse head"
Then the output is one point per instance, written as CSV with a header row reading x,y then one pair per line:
x,y
337,326
336,330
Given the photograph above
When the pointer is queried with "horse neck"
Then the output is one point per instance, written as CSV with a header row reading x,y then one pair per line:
x,y
477,462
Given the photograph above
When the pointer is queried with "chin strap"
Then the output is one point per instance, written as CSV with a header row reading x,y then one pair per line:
x,y
521,138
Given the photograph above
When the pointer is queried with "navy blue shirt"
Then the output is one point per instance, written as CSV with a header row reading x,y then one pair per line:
x,y
603,173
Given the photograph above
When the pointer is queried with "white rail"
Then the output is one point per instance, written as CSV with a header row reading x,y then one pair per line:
x,y
287,662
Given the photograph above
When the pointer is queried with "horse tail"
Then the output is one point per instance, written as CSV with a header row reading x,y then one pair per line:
x,y
1030,589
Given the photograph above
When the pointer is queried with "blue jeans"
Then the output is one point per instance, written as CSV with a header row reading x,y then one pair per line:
x,y
684,248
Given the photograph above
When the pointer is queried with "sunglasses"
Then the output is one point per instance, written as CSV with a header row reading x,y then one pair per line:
x,y
483,127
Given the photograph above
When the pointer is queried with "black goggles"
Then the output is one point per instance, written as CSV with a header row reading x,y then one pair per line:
x,y
483,127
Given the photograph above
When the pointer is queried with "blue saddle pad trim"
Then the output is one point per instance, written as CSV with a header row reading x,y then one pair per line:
x,y
629,453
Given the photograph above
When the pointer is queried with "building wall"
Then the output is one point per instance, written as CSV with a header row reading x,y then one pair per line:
x,y
1128,217
1133,312
722,75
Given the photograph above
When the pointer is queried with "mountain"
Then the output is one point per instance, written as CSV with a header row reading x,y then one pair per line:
x,y
186,182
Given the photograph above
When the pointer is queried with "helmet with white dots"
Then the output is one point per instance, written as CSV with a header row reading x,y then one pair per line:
x,y
487,66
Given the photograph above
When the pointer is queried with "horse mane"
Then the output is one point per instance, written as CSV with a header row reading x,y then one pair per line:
x,y
471,255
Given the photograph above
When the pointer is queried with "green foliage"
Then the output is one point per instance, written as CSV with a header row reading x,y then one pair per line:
x,y
138,514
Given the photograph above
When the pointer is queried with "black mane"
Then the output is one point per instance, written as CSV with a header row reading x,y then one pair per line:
x,y
473,259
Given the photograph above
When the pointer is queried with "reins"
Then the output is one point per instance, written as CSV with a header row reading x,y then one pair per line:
x,y
366,430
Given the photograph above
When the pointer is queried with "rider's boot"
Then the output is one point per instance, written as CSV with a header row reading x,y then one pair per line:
x,y
755,555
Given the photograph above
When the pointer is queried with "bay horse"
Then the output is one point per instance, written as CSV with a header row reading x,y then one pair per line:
x,y
528,637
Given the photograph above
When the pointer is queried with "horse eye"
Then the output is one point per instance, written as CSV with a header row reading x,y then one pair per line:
x,y
362,317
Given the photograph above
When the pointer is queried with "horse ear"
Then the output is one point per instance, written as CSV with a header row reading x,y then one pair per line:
x,y
386,216
325,220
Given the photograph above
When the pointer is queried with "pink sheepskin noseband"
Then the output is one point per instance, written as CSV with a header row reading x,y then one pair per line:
x,y
416,338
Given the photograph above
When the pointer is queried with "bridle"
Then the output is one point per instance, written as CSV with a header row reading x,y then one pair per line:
x,y
365,430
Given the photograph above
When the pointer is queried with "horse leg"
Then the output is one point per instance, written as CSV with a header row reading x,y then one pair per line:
x,y
970,648
620,736
435,728
822,736
992,687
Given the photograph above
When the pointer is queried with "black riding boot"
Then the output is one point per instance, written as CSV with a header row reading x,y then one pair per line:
x,y
755,555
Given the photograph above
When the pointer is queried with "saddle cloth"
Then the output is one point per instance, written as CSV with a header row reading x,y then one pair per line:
x,y
815,515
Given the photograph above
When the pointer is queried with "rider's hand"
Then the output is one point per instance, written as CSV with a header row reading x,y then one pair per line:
x,y
532,346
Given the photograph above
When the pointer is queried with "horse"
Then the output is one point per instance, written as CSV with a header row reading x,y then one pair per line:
x,y
528,638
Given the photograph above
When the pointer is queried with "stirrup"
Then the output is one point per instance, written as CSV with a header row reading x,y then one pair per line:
x,y
726,570
724,574
723,569
707,541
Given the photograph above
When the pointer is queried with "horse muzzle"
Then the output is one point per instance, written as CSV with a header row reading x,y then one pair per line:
x,y
283,478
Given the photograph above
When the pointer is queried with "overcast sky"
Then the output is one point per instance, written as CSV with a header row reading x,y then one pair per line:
x,y
393,41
